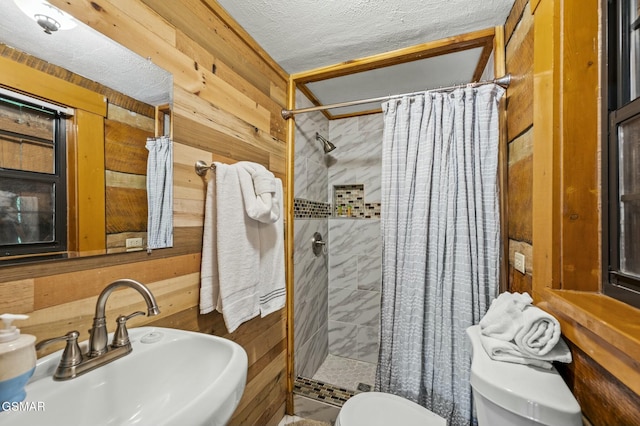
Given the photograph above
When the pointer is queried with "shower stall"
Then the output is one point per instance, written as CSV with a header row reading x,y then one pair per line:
x,y
337,289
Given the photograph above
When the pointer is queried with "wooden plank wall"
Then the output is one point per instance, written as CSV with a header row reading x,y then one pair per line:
x,y
226,106
604,399
519,59
125,175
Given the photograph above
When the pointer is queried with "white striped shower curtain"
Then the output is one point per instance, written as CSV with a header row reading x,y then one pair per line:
x,y
440,225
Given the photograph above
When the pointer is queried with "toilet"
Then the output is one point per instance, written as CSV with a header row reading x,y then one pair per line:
x,y
385,409
504,394
508,394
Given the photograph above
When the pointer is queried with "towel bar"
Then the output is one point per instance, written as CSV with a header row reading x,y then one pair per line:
x,y
202,168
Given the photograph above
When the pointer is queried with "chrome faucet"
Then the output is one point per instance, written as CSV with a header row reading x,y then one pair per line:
x,y
73,362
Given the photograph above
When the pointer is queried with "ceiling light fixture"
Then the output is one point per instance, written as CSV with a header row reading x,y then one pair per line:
x,y
49,17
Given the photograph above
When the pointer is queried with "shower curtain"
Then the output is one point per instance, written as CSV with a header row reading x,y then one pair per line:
x,y
440,229
159,193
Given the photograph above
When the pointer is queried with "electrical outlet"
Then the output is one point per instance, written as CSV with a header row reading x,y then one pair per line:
x,y
133,243
518,262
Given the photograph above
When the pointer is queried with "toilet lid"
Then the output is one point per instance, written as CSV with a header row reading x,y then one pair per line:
x,y
383,409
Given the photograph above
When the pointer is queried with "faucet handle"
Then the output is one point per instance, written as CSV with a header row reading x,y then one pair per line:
x,y
121,336
72,355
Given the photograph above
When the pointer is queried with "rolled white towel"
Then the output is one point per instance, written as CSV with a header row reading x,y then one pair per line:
x,y
258,187
539,334
504,317
501,350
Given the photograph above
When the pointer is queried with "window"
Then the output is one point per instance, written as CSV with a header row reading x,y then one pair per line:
x,y
623,176
33,208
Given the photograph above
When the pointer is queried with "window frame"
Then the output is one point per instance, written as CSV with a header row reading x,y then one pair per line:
x,y
14,252
620,108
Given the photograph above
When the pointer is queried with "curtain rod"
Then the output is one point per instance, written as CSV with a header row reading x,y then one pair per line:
x,y
503,81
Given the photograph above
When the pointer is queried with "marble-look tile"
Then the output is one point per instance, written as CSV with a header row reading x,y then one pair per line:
x,y
342,126
342,173
303,233
310,284
307,125
369,272
372,180
343,269
309,357
359,307
303,324
370,122
355,236
315,410
302,102
301,183
367,344
343,339
323,307
317,181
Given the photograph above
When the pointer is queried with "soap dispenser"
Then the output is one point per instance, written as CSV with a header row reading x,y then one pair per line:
x,y
17,360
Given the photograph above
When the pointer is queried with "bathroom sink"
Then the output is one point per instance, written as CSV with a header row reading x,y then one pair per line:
x,y
172,377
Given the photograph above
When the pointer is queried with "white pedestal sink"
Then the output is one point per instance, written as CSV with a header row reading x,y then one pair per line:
x,y
172,377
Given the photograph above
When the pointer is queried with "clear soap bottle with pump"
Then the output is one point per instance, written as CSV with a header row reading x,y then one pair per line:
x,y
17,360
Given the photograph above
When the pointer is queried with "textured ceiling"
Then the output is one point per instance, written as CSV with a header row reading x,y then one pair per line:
x,y
301,35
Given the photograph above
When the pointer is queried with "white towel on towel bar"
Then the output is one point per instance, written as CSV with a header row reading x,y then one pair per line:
x,y
272,277
258,186
209,279
248,258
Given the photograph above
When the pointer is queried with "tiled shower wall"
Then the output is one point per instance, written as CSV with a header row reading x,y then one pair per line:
x,y
355,247
311,211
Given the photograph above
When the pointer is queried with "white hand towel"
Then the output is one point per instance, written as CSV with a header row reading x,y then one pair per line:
x,y
209,280
258,187
272,278
507,351
504,317
539,334
238,239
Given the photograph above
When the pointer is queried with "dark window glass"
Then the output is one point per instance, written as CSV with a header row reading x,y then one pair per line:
x,y
623,174
32,178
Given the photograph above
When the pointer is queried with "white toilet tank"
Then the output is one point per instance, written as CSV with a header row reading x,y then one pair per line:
x,y
508,394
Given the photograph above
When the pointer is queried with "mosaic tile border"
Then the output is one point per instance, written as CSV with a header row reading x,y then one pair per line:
x,y
305,209
321,391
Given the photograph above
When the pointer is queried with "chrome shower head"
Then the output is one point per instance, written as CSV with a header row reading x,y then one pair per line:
x,y
326,145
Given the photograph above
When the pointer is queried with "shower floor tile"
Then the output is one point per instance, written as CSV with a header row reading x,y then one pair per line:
x,y
346,373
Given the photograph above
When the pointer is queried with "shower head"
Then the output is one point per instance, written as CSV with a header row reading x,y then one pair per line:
x,y
327,146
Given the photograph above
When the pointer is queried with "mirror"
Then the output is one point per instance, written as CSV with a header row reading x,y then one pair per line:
x,y
137,90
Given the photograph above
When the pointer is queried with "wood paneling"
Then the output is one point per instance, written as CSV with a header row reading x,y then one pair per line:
x,y
612,404
125,148
519,7
421,51
30,80
126,210
90,181
227,101
604,334
520,66
580,168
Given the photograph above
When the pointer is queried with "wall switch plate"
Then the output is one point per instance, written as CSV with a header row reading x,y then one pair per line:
x,y
518,263
133,242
